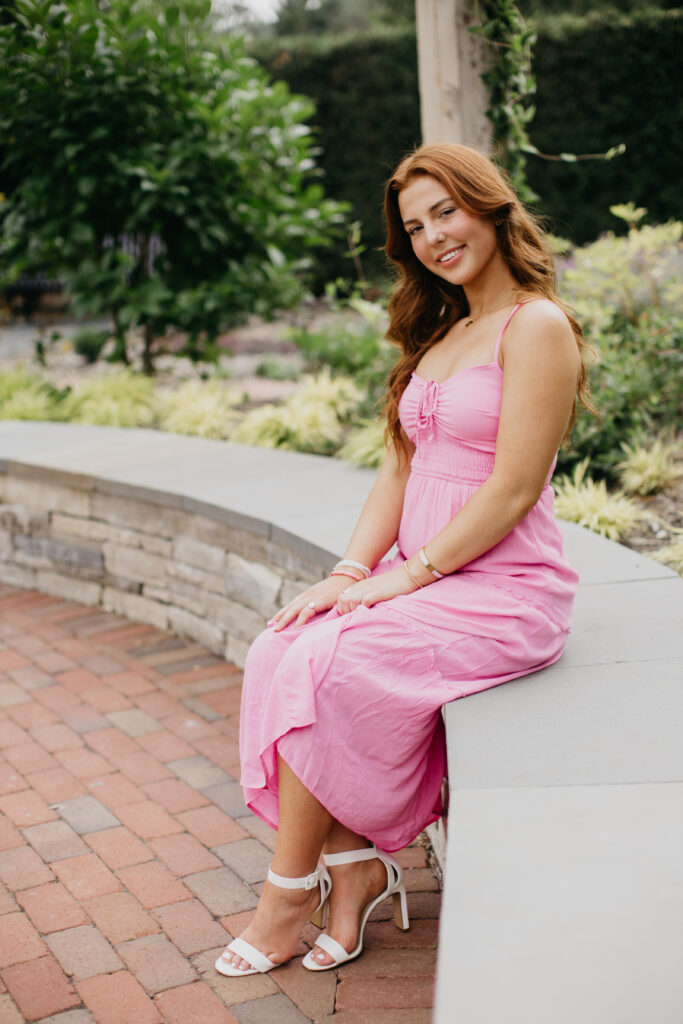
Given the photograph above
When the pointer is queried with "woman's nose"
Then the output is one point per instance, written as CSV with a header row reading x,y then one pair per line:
x,y
434,233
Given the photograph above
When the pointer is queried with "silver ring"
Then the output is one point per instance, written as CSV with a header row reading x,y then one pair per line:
x,y
311,605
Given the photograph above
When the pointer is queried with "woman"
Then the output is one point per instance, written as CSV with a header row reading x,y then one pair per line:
x,y
341,733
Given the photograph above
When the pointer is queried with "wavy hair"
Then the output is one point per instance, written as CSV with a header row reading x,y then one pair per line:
x,y
423,307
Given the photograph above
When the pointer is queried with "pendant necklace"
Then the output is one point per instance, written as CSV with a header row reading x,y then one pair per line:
x,y
489,309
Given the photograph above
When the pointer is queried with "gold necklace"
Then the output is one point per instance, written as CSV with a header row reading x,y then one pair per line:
x,y
489,309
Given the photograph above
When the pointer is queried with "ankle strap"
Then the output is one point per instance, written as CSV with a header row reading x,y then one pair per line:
x,y
349,856
305,882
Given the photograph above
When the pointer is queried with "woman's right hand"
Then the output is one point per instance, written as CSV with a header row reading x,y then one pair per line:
x,y
316,599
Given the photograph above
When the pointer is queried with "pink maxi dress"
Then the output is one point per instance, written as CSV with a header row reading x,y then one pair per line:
x,y
353,703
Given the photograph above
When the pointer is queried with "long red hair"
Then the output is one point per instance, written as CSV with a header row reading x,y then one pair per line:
x,y
423,307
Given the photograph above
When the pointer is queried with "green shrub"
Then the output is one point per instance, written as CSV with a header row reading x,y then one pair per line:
x,y
340,394
313,419
649,468
620,277
156,170
354,346
627,293
365,445
24,396
305,426
201,408
672,555
275,369
344,345
89,344
636,383
585,501
120,399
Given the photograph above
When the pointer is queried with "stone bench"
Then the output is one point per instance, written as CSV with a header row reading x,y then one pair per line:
x,y
563,896
200,537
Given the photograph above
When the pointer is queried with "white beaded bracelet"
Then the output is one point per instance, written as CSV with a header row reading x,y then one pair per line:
x,y
428,565
356,565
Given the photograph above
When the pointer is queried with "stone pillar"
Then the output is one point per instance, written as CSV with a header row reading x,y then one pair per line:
x,y
453,97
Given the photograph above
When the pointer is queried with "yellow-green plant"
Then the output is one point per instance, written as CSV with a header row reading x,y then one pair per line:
x,y
628,212
201,408
311,420
298,425
585,501
340,394
24,396
625,274
648,469
670,554
365,445
121,399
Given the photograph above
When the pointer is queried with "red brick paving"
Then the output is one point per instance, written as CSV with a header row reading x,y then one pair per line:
x,y
121,924
51,908
39,988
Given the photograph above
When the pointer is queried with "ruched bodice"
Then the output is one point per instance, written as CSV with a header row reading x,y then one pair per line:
x,y
461,410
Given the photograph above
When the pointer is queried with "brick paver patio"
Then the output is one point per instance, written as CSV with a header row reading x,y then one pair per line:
x,y
127,856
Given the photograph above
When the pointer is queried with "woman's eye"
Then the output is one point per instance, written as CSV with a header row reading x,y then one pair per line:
x,y
413,231
447,211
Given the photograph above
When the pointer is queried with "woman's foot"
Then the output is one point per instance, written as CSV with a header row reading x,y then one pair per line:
x,y
277,925
354,886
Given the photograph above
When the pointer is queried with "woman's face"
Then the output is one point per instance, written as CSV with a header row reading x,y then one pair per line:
x,y
453,244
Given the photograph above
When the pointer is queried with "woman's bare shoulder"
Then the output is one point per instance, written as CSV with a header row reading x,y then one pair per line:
x,y
538,311
541,330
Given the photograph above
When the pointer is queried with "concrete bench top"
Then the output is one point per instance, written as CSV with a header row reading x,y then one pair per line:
x,y
563,897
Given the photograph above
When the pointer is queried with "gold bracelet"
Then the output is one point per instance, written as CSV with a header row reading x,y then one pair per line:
x,y
410,576
428,565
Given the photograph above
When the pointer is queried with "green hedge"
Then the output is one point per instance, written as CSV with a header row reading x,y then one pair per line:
x,y
368,117
602,79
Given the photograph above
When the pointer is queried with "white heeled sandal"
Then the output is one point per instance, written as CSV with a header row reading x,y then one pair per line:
x,y
260,963
395,888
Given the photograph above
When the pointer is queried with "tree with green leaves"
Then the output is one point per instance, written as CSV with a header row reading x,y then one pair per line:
x,y
168,181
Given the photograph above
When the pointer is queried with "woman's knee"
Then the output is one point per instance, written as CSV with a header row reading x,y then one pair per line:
x,y
266,652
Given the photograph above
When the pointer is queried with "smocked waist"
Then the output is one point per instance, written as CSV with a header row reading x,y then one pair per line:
x,y
456,462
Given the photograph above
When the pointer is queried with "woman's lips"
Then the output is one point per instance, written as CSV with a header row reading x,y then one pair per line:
x,y
450,255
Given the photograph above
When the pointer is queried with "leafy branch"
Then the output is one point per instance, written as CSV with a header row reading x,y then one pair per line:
x,y
511,84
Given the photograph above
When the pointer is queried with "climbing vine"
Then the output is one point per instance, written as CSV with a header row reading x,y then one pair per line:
x,y
511,86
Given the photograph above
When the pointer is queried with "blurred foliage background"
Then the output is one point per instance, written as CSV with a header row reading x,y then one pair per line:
x,y
177,179
603,78
167,182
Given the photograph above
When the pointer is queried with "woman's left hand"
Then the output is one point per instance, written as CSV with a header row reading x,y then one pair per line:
x,y
377,588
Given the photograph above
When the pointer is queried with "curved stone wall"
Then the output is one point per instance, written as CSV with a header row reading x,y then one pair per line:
x,y
174,569
156,553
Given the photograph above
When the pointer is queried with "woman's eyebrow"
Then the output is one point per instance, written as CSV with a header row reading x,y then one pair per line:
x,y
434,206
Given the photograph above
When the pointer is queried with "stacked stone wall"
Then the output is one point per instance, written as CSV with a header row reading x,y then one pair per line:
x,y
176,569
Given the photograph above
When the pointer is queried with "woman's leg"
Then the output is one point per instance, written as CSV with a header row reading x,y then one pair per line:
x,y
303,826
353,887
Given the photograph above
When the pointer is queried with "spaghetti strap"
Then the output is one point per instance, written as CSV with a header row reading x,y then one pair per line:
x,y
504,327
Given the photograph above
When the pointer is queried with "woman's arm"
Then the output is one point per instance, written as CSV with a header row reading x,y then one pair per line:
x,y
377,527
541,365
375,532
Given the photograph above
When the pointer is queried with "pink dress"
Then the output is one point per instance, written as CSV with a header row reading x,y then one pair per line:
x,y
353,702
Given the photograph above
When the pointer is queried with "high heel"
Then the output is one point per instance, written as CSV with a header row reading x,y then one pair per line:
x,y
395,888
260,963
